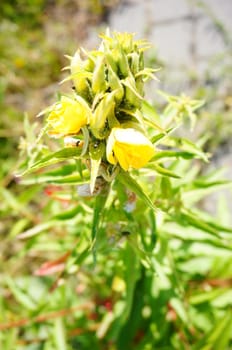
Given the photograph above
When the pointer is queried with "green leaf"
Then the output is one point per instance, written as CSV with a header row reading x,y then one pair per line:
x,y
194,195
133,185
36,230
55,220
173,154
74,179
18,226
104,325
72,174
95,164
218,337
206,296
151,116
21,296
77,258
53,158
224,300
163,171
131,276
13,202
206,184
59,334
196,221
10,340
157,138
212,222
223,212
99,206
187,146
68,214
143,255
197,236
180,309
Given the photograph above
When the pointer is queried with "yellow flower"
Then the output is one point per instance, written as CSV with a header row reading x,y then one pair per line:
x,y
68,116
118,284
128,147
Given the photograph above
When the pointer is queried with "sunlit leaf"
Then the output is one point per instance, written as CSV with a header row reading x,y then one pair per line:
x,y
131,183
59,334
53,158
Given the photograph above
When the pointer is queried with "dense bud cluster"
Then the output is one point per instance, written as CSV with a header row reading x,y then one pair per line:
x,y
105,109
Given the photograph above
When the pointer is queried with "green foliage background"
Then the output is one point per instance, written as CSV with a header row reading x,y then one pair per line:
x,y
161,281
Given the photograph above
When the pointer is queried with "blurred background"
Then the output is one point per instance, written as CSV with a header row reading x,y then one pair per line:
x,y
191,42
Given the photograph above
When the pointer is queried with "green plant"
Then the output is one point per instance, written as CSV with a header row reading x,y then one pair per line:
x,y
123,254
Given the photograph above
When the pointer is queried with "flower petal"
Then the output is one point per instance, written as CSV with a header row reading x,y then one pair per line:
x,y
129,147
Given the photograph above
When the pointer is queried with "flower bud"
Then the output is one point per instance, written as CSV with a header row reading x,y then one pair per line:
x,y
80,76
99,79
115,85
132,96
110,59
129,147
134,62
103,111
122,62
125,40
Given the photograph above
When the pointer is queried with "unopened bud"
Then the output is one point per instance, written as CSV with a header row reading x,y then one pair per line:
x,y
99,79
98,123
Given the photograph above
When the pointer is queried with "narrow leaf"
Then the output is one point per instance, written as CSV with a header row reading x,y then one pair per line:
x,y
95,164
59,335
22,297
173,154
149,112
98,211
163,171
53,158
132,184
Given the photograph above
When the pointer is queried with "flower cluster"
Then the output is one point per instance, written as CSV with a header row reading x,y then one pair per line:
x,y
105,108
